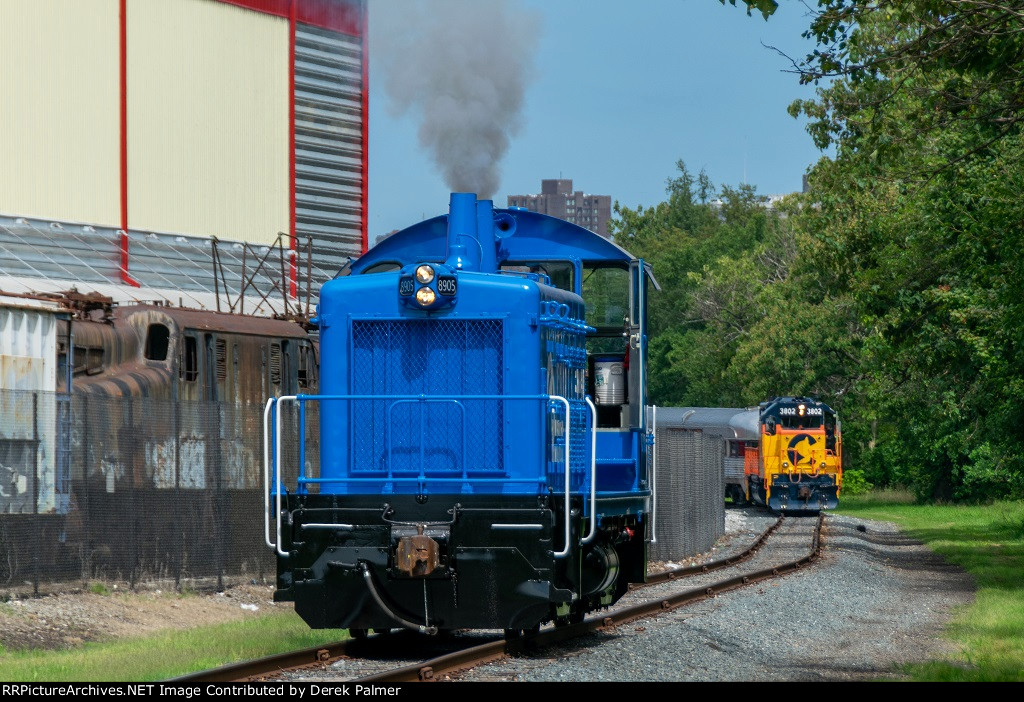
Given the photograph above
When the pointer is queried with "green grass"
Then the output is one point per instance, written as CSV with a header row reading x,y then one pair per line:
x,y
988,542
167,654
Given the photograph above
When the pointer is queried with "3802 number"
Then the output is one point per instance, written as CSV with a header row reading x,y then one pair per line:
x,y
792,411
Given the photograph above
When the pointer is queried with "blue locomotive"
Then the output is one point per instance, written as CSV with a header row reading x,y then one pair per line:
x,y
466,476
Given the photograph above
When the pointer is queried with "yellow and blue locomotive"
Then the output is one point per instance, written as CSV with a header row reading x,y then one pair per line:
x,y
465,476
799,463
786,453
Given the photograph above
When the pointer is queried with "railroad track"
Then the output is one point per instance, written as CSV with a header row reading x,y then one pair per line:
x,y
463,652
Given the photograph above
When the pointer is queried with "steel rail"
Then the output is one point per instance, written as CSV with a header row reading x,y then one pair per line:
x,y
269,665
494,650
683,571
476,655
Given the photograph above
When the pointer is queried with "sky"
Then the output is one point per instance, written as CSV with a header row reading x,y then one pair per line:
x,y
618,92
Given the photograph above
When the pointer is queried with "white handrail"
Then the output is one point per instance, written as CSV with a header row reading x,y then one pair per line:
x,y
277,464
593,473
568,440
278,486
266,473
654,474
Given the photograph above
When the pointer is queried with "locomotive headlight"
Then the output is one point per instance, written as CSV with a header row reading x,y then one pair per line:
x,y
424,274
425,296
785,464
802,409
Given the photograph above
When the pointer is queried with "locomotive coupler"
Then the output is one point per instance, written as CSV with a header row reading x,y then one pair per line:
x,y
417,555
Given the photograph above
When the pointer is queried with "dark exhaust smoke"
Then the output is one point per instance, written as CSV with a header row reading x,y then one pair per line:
x,y
462,66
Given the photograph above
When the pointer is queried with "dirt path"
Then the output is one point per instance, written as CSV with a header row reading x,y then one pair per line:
x,y
66,620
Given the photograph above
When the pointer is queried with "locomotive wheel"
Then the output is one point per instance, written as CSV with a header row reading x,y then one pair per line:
x,y
575,616
517,634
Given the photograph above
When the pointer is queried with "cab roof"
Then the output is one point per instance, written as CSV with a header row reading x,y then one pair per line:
x,y
537,237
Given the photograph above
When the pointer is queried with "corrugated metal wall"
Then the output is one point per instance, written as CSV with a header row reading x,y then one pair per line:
x,y
28,419
59,141
328,144
207,120
28,347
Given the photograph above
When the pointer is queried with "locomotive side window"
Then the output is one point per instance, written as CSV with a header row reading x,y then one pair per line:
x,y
606,293
189,368
158,337
830,432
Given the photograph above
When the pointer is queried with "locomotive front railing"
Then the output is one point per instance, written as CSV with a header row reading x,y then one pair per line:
x,y
423,433
272,466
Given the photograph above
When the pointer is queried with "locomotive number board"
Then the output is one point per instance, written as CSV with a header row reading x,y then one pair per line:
x,y
447,285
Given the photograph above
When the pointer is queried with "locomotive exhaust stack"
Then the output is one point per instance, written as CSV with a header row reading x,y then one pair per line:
x,y
473,233
463,245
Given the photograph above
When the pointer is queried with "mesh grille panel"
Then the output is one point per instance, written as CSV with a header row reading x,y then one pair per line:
x,y
428,357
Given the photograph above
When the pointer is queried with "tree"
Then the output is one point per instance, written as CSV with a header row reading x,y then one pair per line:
x,y
939,63
766,7
916,223
713,251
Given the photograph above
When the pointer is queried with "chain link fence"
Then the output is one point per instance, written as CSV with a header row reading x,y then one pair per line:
x,y
129,490
690,505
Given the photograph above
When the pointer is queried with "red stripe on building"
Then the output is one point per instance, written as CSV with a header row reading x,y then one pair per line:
x,y
345,16
123,69
281,8
293,274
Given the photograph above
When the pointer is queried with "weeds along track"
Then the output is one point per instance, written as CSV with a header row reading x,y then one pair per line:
x,y
789,544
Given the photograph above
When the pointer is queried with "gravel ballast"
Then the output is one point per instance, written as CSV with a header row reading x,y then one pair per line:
x,y
874,601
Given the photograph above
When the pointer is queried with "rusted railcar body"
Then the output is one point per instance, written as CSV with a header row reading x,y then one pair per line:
x,y
164,451
188,355
140,353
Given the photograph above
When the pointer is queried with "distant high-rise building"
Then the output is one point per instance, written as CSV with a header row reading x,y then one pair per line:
x,y
558,199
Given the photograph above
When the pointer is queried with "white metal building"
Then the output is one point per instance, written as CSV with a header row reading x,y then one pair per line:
x,y
234,119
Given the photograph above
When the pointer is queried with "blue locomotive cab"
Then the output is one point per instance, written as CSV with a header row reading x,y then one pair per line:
x,y
477,457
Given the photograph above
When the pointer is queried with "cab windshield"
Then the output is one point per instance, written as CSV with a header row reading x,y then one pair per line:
x,y
560,273
790,419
